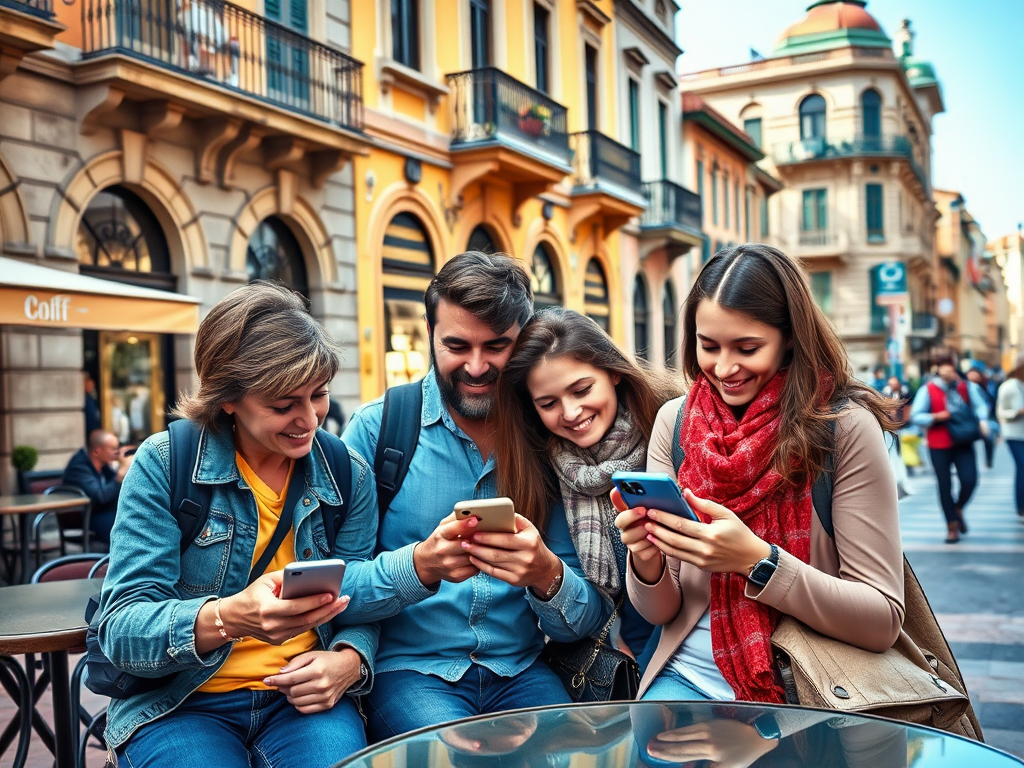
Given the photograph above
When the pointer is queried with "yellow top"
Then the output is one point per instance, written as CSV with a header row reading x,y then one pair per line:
x,y
251,660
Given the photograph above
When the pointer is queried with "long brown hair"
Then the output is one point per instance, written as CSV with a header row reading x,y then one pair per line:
x,y
522,442
770,288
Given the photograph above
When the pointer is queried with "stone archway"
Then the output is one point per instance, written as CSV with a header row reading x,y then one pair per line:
x,y
13,218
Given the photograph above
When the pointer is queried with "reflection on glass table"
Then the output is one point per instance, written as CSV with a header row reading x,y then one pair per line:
x,y
686,734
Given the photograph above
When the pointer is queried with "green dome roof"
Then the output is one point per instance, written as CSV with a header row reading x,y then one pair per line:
x,y
920,73
832,24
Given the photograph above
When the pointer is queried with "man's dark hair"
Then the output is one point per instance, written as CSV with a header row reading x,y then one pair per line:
x,y
493,287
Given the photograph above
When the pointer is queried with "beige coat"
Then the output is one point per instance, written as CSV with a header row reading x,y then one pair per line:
x,y
852,589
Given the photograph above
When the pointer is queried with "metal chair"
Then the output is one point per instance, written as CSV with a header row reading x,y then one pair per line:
x,y
72,523
83,565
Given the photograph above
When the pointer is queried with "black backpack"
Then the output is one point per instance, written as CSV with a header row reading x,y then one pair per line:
x,y
190,504
397,440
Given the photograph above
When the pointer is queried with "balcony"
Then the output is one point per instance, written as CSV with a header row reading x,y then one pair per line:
x,y
606,181
25,27
505,131
822,148
260,82
673,218
828,243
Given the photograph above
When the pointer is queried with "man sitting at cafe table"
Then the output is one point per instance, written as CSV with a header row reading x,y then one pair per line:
x,y
98,469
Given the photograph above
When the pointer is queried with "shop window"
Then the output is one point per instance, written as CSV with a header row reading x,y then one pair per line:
x,y
641,318
595,296
120,239
405,32
669,311
406,253
544,279
274,254
812,117
480,240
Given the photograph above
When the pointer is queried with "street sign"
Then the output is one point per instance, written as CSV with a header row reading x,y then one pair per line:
x,y
889,284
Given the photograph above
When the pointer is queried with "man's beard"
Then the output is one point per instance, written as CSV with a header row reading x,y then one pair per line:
x,y
474,407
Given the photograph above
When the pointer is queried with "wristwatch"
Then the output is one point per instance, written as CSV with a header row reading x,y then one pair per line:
x,y
552,590
763,570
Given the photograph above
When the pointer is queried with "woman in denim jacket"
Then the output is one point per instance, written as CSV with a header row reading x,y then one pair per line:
x,y
251,678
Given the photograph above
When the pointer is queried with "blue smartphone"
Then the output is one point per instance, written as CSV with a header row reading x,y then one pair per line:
x,y
653,490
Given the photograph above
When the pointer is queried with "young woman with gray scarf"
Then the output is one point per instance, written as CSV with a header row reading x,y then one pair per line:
x,y
571,409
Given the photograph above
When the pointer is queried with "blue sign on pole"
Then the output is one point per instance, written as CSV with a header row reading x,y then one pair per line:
x,y
889,283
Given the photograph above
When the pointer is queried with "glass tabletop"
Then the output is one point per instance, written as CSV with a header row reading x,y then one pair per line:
x,y
678,734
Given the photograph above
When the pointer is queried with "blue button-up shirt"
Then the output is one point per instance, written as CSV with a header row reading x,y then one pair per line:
x,y
443,630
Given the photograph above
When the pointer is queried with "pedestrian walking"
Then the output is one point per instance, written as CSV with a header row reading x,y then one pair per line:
x,y
953,413
1010,409
978,375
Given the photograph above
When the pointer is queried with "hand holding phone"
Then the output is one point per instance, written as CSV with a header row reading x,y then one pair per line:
x,y
313,577
653,490
495,515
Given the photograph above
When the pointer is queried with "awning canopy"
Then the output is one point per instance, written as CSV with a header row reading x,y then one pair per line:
x,y
41,296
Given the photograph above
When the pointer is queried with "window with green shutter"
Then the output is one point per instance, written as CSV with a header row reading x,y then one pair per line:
x,y
875,218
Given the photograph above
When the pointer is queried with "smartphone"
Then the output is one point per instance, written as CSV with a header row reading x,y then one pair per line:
x,y
653,490
313,577
495,515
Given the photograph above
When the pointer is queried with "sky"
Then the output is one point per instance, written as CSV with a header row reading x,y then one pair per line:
x,y
977,49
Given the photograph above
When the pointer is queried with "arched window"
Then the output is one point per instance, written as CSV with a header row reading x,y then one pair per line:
x,y
871,113
669,311
119,238
274,254
812,117
544,279
641,319
595,297
480,240
406,253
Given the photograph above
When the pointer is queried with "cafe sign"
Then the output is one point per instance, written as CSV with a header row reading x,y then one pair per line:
x,y
101,312
55,310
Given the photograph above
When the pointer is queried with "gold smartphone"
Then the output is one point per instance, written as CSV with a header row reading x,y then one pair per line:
x,y
495,515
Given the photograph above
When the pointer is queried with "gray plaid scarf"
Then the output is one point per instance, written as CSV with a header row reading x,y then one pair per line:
x,y
585,478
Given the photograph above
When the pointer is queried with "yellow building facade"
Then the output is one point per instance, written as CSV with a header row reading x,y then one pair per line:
x,y
494,127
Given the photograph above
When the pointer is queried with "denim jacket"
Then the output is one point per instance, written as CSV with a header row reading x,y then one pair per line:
x,y
442,630
152,592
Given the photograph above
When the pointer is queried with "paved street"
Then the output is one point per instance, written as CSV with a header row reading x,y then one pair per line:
x,y
974,588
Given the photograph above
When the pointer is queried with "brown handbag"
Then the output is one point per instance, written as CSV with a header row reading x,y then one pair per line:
x,y
917,680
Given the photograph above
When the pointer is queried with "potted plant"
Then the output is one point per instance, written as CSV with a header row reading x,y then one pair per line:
x,y
535,120
24,458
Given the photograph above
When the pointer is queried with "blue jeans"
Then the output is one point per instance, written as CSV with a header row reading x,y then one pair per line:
x,y
245,728
405,700
1017,451
669,685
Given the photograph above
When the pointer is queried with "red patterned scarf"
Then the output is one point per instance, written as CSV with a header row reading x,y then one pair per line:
x,y
730,462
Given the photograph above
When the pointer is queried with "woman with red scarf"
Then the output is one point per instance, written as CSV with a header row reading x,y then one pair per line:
x,y
771,396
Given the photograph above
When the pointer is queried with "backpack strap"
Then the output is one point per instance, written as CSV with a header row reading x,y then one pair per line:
x,y
678,452
396,443
821,491
190,502
340,464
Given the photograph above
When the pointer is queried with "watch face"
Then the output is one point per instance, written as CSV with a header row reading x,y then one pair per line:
x,y
762,572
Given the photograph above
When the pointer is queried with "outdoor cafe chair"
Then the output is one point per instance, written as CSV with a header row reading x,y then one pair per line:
x,y
72,523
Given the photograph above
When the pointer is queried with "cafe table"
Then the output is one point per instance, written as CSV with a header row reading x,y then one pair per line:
x,y
672,734
49,618
25,505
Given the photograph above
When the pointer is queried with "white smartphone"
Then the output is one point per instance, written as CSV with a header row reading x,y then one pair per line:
x,y
495,515
313,577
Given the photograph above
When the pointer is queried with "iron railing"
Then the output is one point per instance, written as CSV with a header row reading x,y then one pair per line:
x,y
41,8
671,205
597,158
234,48
827,148
489,105
818,238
